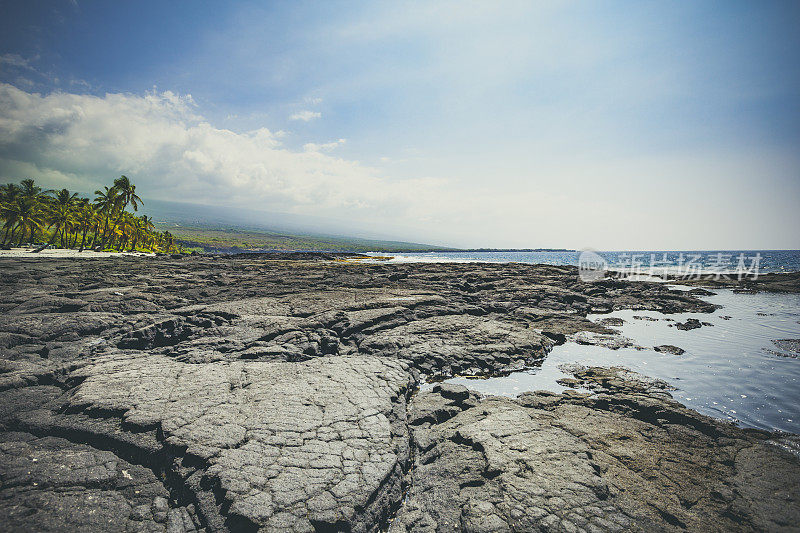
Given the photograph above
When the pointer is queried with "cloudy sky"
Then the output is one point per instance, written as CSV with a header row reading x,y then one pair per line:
x,y
613,125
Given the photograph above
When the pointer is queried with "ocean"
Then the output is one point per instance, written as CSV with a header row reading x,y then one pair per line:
x,y
736,368
733,369
658,261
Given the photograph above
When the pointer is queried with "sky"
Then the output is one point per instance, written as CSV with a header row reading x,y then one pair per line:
x,y
609,125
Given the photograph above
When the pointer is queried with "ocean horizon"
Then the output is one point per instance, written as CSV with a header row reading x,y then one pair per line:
x,y
660,261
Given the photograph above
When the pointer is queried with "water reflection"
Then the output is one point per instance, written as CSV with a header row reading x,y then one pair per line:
x,y
731,369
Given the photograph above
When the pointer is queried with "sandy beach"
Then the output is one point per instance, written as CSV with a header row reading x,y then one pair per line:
x,y
64,253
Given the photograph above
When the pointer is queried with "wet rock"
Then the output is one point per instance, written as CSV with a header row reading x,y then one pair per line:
x,y
691,323
457,393
605,379
772,282
612,342
701,292
452,345
569,382
623,460
611,321
669,348
260,392
788,347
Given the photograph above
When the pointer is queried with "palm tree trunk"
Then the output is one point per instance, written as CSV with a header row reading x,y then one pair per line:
x,y
105,236
119,217
54,236
83,240
11,236
22,235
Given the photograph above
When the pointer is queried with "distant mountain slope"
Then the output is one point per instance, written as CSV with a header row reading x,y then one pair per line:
x,y
231,239
222,229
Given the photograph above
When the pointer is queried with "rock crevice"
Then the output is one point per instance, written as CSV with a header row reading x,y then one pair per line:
x,y
245,394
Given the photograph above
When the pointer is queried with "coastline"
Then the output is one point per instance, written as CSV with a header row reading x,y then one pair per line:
x,y
286,388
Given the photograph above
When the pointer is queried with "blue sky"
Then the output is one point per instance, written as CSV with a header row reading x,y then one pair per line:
x,y
603,124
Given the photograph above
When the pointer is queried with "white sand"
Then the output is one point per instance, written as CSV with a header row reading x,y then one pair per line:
x,y
62,252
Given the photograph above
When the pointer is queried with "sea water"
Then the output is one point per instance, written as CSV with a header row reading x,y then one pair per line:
x,y
661,261
731,369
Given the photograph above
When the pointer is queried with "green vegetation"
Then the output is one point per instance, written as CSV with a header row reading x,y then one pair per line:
x,y
35,216
233,239
31,215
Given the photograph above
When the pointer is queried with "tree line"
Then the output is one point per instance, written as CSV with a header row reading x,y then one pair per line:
x,y
33,215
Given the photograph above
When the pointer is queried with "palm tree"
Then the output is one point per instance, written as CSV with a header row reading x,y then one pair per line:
x,y
168,240
127,193
86,217
28,214
147,223
106,202
30,189
26,207
144,229
98,219
61,214
127,229
22,208
8,195
9,192
10,213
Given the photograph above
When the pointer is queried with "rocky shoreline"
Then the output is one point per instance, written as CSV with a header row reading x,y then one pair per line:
x,y
266,392
771,282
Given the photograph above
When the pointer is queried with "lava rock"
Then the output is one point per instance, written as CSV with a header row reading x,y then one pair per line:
x,y
669,348
691,323
611,321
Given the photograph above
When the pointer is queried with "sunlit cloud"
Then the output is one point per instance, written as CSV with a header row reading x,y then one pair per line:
x,y
502,124
162,142
323,147
306,115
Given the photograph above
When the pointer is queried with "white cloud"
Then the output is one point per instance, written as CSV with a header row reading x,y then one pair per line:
x,y
170,151
16,60
324,147
306,115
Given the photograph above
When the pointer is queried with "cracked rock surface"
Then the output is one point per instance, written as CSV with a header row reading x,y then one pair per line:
x,y
256,393
52,484
626,459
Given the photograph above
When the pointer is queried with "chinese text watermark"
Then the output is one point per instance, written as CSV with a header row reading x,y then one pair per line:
x,y
669,265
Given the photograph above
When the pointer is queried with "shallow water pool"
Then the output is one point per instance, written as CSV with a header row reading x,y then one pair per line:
x,y
731,370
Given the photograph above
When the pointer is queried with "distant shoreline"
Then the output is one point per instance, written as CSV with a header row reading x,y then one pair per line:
x,y
472,250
